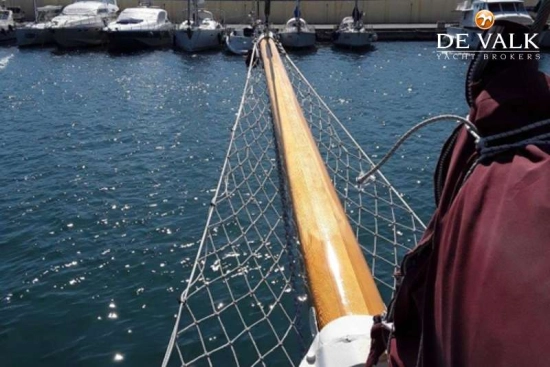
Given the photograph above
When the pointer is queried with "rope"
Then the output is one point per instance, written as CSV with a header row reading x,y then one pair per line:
x,y
487,151
471,128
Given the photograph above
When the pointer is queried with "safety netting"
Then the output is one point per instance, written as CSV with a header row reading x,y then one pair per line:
x,y
246,299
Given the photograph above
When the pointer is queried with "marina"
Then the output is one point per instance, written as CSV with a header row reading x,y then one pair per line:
x,y
139,178
225,32
169,203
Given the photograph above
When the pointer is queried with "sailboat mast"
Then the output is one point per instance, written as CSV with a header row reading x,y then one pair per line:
x,y
356,14
35,11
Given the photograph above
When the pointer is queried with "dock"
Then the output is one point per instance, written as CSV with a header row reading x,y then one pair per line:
x,y
385,32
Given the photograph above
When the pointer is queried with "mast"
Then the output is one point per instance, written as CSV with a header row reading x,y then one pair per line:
x,y
356,14
297,13
35,11
189,13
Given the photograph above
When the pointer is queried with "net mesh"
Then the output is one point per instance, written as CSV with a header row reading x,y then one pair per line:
x,y
246,301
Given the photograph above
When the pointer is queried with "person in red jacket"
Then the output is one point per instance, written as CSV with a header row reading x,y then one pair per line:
x,y
476,290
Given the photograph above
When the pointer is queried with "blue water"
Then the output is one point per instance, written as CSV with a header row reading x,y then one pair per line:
x,y
107,166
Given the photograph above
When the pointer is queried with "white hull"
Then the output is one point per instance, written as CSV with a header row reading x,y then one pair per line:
x,y
354,39
239,45
198,39
33,37
297,39
79,37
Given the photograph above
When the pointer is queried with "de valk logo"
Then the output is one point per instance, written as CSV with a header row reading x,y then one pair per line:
x,y
508,46
485,19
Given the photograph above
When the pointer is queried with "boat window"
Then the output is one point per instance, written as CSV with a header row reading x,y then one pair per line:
x,y
520,7
134,16
74,9
248,32
101,11
495,8
4,15
162,17
42,17
508,7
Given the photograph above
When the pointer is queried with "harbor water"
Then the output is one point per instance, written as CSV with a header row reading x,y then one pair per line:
x,y
109,163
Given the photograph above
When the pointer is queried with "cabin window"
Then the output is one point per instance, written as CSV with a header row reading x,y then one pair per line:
x,y
508,7
520,7
4,15
495,8
162,17
101,11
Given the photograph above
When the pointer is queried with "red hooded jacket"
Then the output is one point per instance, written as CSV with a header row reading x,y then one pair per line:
x,y
476,290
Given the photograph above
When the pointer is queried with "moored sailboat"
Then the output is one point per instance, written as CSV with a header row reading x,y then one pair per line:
x,y
200,32
352,32
297,32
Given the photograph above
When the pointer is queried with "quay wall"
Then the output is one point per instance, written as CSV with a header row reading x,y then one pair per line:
x,y
314,11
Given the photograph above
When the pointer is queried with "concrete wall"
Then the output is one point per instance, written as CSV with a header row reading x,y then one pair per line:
x,y
314,11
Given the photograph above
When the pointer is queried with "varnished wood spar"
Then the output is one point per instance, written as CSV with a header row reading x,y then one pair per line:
x,y
339,279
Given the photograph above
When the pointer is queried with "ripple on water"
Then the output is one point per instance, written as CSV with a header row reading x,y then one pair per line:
x,y
109,163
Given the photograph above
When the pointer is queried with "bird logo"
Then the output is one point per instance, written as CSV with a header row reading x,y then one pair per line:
x,y
485,19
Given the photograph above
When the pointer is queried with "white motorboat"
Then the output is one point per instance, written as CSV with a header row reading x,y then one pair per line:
x,y
511,10
81,23
200,31
7,25
18,14
297,33
352,33
141,27
38,32
240,41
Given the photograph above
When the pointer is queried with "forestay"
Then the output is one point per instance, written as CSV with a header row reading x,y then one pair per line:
x,y
246,301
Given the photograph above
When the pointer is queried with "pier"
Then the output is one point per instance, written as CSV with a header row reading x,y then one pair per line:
x,y
385,32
